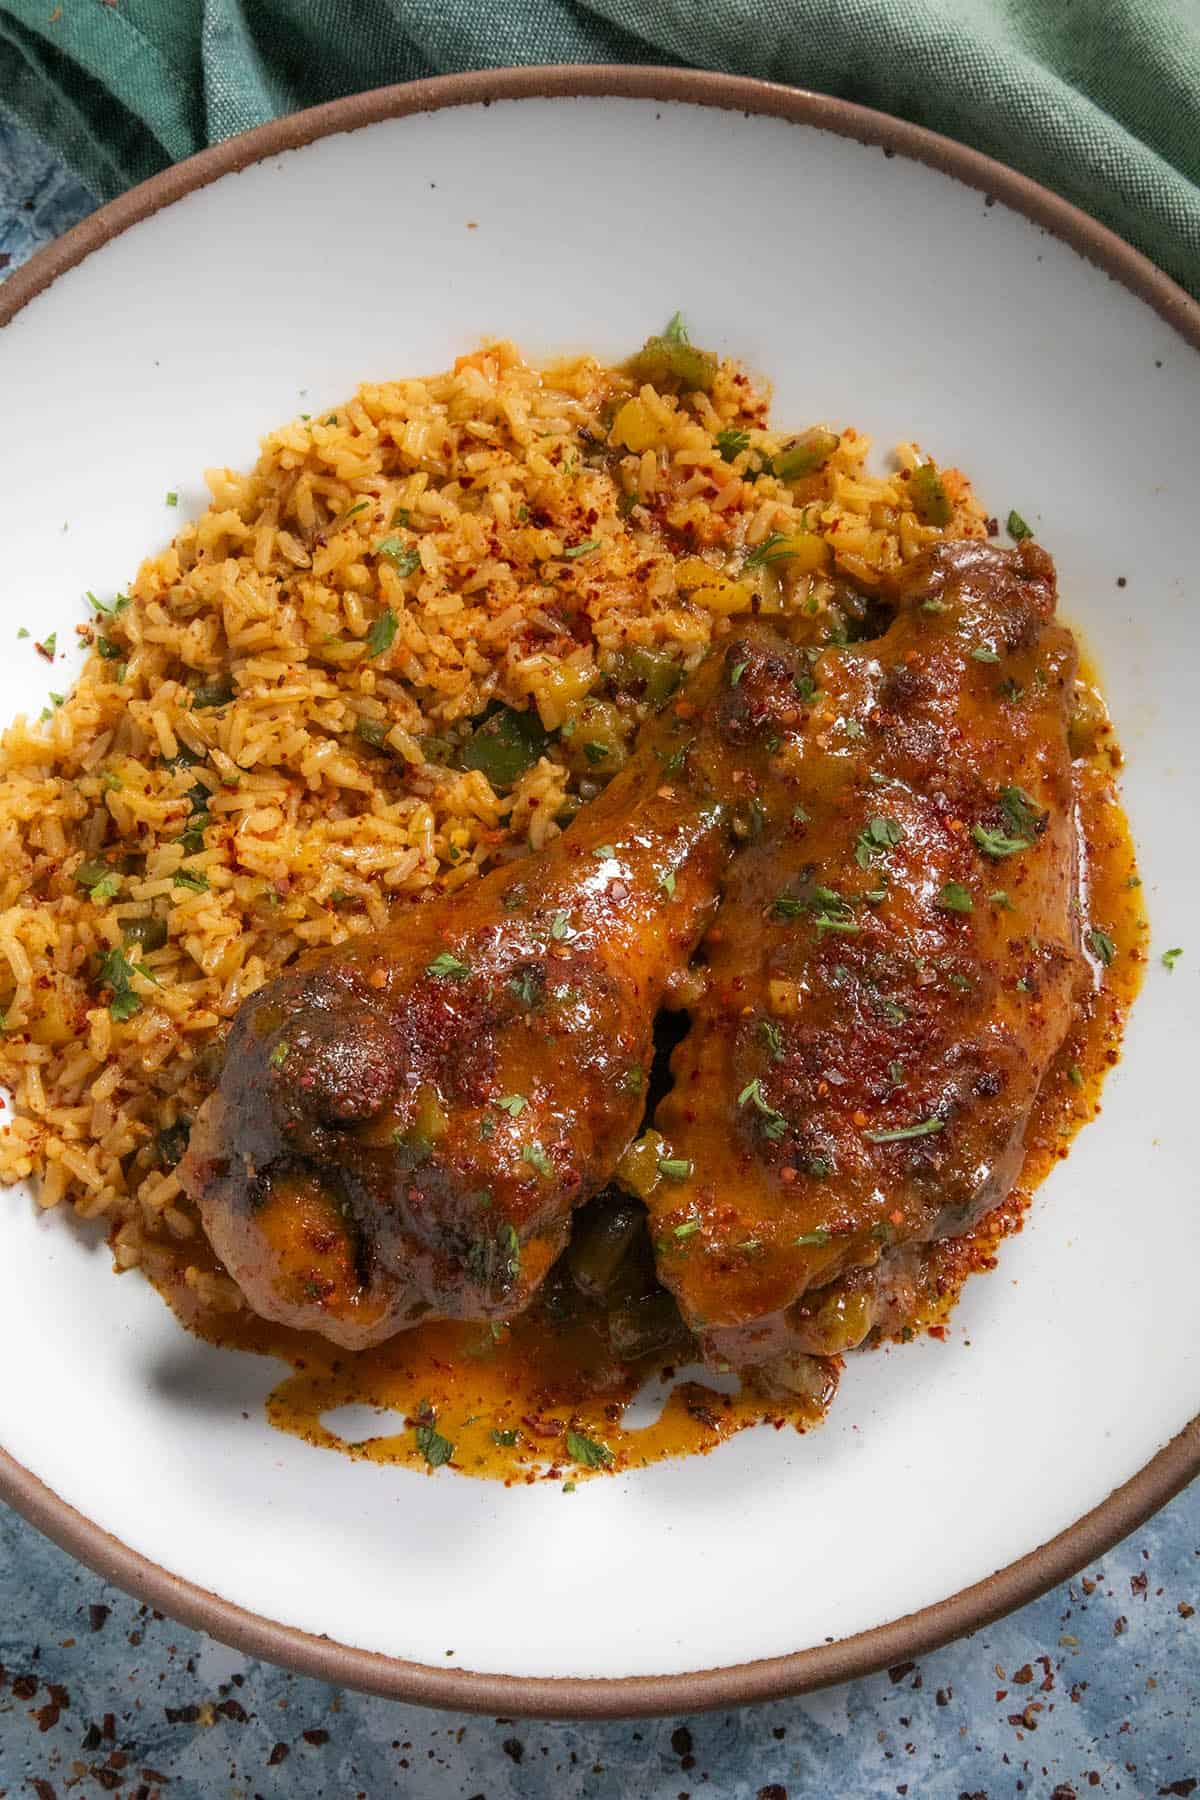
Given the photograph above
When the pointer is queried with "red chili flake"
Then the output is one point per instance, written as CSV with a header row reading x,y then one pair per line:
x,y
279,1754
98,1616
899,1670
316,1735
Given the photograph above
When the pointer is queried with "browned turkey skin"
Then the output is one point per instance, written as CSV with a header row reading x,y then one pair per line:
x,y
405,1125
891,970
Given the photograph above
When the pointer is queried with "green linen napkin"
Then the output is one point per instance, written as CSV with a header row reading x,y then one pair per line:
x,y
1098,99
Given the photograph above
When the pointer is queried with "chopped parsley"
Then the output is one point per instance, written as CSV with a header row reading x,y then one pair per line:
x,y
505,1439
731,443
605,852
586,1450
925,1129
982,653
584,549
1017,528
675,1168
448,967
999,897
1170,958
525,986
404,558
1023,814
172,497
22,632
48,646
878,836
117,973
667,883
560,927
533,1153
382,634
736,673
512,1104
853,728
831,912
596,753
954,897
812,1240
773,1123
101,882
1075,1075
193,879
772,1037
1101,945
688,1228
634,1079
433,1446
998,843
280,1054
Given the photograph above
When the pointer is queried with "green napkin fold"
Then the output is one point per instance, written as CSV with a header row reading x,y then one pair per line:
x,y
1098,99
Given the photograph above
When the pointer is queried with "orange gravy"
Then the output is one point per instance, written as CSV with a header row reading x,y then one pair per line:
x,y
544,1399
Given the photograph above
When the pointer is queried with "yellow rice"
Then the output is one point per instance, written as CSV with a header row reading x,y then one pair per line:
x,y
482,478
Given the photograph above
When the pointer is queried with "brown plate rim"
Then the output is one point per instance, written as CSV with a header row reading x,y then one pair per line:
x,y
903,1639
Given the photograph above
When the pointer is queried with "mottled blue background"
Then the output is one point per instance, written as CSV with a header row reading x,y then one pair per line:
x,y
1095,1689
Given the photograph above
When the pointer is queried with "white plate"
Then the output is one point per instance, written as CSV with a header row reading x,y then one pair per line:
x,y
875,290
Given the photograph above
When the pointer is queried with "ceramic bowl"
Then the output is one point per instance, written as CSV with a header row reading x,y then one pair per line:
x,y
882,277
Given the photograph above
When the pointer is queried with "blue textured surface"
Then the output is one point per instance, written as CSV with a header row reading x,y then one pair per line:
x,y
1094,1689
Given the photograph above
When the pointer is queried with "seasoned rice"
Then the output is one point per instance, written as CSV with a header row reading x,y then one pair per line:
x,y
259,754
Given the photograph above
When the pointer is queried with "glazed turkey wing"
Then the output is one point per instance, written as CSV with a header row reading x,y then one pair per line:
x,y
405,1124
892,967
